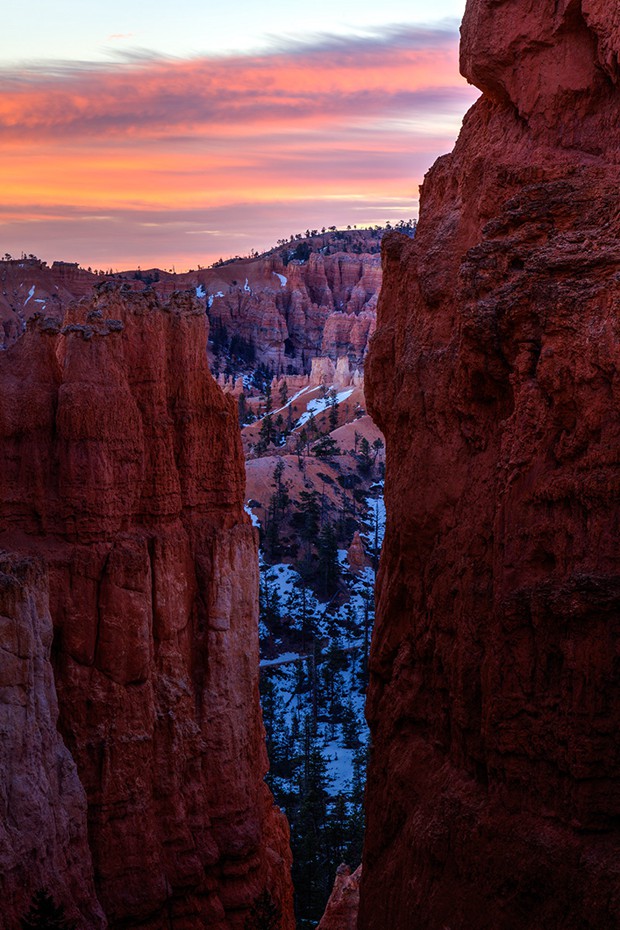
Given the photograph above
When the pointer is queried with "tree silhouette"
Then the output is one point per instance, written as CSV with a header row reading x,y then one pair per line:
x,y
265,914
45,915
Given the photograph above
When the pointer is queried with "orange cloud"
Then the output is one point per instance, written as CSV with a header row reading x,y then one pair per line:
x,y
334,122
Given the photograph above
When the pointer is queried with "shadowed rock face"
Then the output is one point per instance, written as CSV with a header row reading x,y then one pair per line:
x,y
494,786
123,471
43,835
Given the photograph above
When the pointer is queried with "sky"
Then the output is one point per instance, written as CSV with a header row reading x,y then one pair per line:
x,y
170,134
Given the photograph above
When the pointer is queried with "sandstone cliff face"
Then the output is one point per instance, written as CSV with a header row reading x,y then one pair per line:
x,y
325,305
494,791
342,908
123,471
43,835
290,313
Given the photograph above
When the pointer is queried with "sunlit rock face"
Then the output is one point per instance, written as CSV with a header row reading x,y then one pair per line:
x,y
341,912
123,473
494,795
287,313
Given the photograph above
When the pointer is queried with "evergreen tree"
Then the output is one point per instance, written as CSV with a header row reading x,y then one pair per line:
x,y
45,915
312,431
267,433
269,603
272,529
377,446
282,499
245,414
308,819
268,400
300,446
326,447
328,570
333,411
307,519
264,915
364,458
283,394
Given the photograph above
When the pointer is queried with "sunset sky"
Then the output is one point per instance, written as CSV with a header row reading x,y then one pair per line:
x,y
171,134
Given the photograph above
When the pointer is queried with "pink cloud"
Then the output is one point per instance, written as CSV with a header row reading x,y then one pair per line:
x,y
321,122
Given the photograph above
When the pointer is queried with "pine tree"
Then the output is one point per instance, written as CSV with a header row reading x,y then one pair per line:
x,y
282,498
267,433
326,448
264,915
268,401
365,461
283,393
333,411
45,915
308,517
308,819
328,569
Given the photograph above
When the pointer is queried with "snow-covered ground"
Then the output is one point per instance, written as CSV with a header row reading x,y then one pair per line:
x,y
321,404
321,684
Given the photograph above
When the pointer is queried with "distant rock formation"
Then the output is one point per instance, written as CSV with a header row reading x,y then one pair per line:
x,y
493,798
356,556
290,314
123,475
343,905
284,312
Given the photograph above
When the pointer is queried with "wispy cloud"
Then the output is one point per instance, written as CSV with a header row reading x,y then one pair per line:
x,y
320,118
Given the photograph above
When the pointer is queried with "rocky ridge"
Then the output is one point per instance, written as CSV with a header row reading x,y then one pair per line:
x,y
123,479
281,309
493,797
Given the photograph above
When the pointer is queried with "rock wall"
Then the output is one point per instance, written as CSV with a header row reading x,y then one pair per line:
x,y
289,313
493,797
43,835
123,472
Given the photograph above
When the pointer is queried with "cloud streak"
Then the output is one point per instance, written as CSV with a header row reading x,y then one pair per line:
x,y
310,120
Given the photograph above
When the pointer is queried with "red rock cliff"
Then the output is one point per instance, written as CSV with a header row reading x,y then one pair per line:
x,y
325,304
123,471
494,785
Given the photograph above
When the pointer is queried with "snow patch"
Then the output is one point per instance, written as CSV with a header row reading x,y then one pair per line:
x,y
339,765
212,297
30,294
246,287
283,278
252,515
284,659
200,291
321,404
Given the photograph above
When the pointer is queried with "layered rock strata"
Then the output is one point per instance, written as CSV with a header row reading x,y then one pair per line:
x,y
494,785
285,313
123,473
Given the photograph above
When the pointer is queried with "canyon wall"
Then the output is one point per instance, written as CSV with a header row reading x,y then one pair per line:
x,y
493,796
286,311
123,480
43,824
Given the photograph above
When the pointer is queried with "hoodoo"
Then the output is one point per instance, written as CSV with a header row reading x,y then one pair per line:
x,y
494,786
122,524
